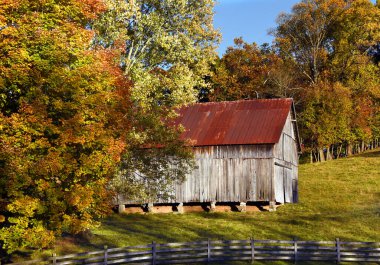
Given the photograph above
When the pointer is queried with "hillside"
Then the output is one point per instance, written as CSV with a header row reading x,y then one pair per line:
x,y
339,198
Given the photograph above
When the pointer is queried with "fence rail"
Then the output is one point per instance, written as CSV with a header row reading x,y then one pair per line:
x,y
224,251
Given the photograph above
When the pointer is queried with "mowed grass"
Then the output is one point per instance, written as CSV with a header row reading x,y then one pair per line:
x,y
338,199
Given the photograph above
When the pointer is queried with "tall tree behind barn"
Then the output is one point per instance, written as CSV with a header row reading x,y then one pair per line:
x,y
245,151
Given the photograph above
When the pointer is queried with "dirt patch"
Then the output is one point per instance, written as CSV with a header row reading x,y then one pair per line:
x,y
134,209
162,209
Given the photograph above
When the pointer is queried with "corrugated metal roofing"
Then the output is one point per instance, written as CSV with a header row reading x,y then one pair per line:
x,y
258,121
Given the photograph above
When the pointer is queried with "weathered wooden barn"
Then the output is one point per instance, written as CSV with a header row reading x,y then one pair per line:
x,y
245,151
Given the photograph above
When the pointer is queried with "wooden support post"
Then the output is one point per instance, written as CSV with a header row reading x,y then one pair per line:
x,y
105,255
272,206
212,206
180,208
154,253
337,251
149,207
242,207
121,208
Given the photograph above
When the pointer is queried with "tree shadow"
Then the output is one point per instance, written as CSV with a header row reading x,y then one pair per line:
x,y
371,154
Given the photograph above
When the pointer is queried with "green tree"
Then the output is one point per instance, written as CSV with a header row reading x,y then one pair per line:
x,y
169,46
168,49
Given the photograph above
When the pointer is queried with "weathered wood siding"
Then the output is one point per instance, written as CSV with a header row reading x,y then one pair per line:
x,y
286,164
236,173
241,173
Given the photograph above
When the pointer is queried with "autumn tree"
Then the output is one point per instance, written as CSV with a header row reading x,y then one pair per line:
x,y
326,121
304,35
245,71
64,112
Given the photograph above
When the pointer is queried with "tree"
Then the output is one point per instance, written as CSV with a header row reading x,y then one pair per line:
x,y
168,49
305,34
243,72
169,46
63,121
324,120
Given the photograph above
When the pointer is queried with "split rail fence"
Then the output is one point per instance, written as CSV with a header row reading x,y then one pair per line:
x,y
223,251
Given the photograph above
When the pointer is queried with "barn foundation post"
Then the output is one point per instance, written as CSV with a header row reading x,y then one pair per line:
x,y
272,206
121,208
242,207
149,207
180,208
212,206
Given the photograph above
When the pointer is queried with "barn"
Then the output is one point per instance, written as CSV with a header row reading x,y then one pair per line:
x,y
245,151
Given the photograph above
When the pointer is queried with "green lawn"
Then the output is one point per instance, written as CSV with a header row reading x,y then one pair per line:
x,y
339,198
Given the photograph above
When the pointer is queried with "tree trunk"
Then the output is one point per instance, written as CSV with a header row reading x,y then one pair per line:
x,y
349,149
339,151
328,154
316,158
321,155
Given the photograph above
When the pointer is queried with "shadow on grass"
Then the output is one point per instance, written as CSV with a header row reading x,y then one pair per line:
x,y
135,229
370,154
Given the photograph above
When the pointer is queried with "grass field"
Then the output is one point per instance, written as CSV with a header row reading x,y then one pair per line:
x,y
339,198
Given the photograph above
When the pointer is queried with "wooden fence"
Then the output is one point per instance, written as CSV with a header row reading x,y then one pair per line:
x,y
221,251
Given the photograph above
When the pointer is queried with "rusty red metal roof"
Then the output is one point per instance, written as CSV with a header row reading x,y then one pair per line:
x,y
257,121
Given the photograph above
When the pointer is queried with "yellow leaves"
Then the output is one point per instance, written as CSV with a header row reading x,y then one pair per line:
x,y
26,206
80,197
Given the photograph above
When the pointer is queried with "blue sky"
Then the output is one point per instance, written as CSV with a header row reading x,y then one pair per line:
x,y
250,19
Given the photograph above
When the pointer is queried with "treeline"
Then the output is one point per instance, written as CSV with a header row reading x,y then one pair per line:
x,y
326,56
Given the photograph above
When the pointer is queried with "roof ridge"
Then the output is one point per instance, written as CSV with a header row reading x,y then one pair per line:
x,y
239,100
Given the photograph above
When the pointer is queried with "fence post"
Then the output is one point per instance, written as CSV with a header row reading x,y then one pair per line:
x,y
54,259
208,250
295,250
105,255
252,250
154,257
338,250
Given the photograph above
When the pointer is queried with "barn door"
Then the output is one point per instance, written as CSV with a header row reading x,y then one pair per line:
x,y
279,183
283,183
288,185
